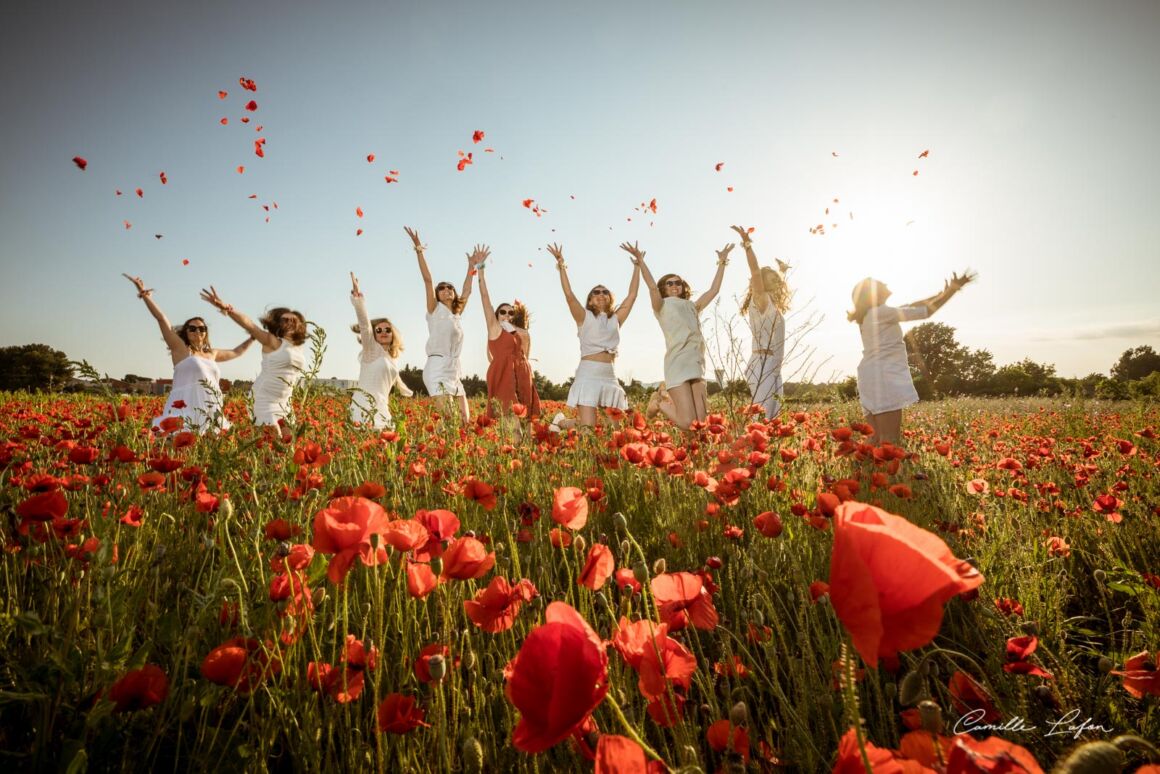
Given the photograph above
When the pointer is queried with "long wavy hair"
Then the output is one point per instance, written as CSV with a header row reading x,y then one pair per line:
x,y
183,333
775,287
396,345
272,322
611,300
686,291
457,303
520,316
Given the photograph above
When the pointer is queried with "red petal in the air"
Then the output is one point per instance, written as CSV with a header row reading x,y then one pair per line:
x,y
223,94
164,179
140,194
247,84
718,165
370,158
924,154
358,211
184,261
477,135
251,106
225,121
81,162
241,170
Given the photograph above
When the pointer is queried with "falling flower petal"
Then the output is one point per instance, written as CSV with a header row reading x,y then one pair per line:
x,y
370,158
80,162
924,154
128,225
241,170
140,194
358,211
834,154
245,119
223,94
915,173
247,84
158,236
358,232
251,106
184,261
717,167
164,179
118,192
729,189
252,196
477,135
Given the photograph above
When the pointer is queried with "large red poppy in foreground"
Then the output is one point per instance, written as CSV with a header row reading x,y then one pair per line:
x,y
889,580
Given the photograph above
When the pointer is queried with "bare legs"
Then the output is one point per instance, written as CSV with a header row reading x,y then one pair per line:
x,y
887,426
454,404
683,403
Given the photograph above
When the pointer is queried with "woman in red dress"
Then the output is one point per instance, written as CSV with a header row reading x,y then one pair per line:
x,y
509,377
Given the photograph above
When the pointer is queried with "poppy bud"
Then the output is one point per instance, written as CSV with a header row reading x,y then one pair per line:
x,y
469,533
472,755
912,688
620,522
927,667
437,666
931,716
580,543
284,548
1030,627
739,715
1106,665
1044,695
499,548
1100,576
659,566
690,755
1093,758
469,661
226,508
640,572
706,710
625,547
714,563
604,538
437,565
319,596
759,617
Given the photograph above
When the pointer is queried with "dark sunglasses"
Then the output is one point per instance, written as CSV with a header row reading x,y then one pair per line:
x,y
504,312
601,292
196,329
382,330
673,282
442,286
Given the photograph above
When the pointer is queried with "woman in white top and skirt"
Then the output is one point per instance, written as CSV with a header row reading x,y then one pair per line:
x,y
884,383
765,305
598,324
441,373
282,333
683,397
195,397
378,368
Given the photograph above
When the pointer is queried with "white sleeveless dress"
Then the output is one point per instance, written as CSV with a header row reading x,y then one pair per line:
x,y
196,396
271,391
441,374
884,382
684,345
370,404
595,383
763,373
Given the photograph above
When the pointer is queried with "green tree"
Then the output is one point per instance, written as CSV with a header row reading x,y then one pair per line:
x,y
1112,389
33,367
940,365
413,378
1025,378
1136,364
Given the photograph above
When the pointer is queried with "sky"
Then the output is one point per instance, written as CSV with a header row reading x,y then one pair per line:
x,y
1039,118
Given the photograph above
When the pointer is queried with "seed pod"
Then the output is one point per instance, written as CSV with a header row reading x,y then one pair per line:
x,y
625,547
620,522
1106,665
739,714
319,596
437,565
469,533
640,572
931,715
226,508
284,548
659,566
604,538
499,547
437,666
912,688
580,543
472,755
469,661
1093,758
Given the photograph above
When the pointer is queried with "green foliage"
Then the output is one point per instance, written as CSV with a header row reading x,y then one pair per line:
x,y
1136,363
33,367
941,365
1112,389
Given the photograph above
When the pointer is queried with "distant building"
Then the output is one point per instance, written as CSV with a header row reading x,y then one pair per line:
x,y
338,384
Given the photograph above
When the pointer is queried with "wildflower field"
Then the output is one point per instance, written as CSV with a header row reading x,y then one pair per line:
x,y
756,596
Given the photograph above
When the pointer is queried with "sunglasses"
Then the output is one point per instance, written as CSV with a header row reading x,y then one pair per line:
x,y
674,283
196,329
289,318
445,287
504,312
601,292
382,330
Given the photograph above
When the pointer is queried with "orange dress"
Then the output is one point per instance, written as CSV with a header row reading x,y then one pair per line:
x,y
509,377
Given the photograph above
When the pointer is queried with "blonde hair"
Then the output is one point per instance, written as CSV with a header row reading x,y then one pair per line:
x,y
396,345
865,298
611,300
775,287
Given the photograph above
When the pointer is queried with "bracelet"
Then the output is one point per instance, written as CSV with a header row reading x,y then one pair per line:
x,y
747,245
144,294
227,309
723,262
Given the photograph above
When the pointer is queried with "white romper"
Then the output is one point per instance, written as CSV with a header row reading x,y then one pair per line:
x,y
196,385
884,382
271,391
370,403
595,383
441,374
684,345
764,370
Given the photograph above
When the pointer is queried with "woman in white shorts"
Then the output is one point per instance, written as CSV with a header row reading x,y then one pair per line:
x,y
598,324
378,372
683,398
281,332
765,305
441,374
884,383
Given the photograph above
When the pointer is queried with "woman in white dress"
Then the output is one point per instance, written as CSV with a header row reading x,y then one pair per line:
x,y
765,305
378,368
598,324
196,396
441,373
683,397
884,383
282,332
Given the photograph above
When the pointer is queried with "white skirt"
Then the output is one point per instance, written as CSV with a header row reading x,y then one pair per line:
x,y
885,386
763,374
441,376
595,385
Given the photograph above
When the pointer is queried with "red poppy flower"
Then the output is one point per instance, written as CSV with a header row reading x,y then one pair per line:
x,y
340,683
625,580
723,735
139,689
665,662
151,482
598,568
466,559
441,525
556,680
241,663
621,755
344,529
768,524
1140,675
682,596
632,637
370,490
850,757
494,609
43,507
968,696
399,714
421,579
889,580
988,756
484,494
570,507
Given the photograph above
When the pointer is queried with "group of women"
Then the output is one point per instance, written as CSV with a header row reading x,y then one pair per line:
x,y
884,382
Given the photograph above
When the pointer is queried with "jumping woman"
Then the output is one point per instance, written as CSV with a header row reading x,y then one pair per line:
x,y
765,305
509,374
378,369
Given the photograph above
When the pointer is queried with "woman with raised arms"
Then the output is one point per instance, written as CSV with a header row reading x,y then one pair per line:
x,y
196,395
765,305
509,374
682,397
598,324
378,369
441,374
281,332
884,383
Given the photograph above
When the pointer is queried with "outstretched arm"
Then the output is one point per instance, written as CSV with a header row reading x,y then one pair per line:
x,y
423,270
493,328
758,296
172,340
638,258
402,387
222,355
371,350
475,262
950,287
574,306
267,339
630,299
708,296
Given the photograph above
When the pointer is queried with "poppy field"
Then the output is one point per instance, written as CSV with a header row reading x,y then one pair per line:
x,y
754,596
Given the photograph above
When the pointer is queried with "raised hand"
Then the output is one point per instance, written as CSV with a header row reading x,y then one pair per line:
x,y
354,291
782,265
557,252
742,232
723,253
211,296
414,234
478,255
142,291
958,281
633,250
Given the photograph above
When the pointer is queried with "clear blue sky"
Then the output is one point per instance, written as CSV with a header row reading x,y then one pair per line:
x,y
1040,118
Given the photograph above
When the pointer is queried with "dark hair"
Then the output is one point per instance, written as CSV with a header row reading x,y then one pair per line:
x,y
457,304
685,292
520,317
183,334
272,322
611,300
